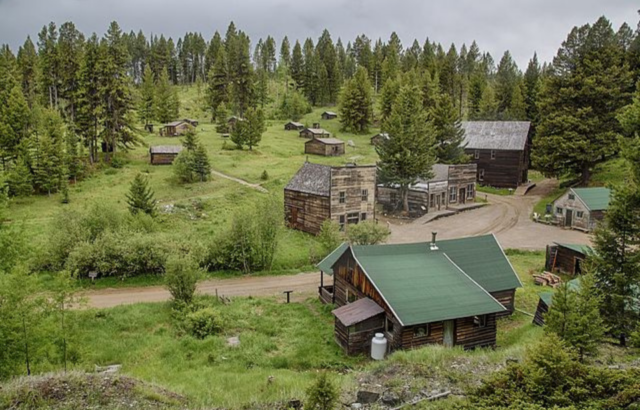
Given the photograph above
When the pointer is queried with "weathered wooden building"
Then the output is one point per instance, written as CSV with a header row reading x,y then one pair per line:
x,y
329,115
581,208
450,184
293,126
567,258
379,138
320,192
444,292
501,151
176,128
163,154
314,132
328,147
194,123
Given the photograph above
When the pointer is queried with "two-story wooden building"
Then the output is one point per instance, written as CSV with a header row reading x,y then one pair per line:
x,y
449,185
501,151
320,192
444,292
581,208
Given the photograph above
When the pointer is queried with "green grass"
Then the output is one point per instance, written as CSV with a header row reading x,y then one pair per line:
x,y
495,191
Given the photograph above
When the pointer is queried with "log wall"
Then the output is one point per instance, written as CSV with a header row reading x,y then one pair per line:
x,y
305,212
541,310
507,298
352,181
508,170
162,159
316,147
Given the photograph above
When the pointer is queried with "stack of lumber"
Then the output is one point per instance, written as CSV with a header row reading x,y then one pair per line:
x,y
547,279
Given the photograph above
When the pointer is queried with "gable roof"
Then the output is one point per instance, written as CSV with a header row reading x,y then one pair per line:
x,y
356,312
297,124
165,149
317,131
311,179
583,249
174,123
498,135
327,141
595,199
326,265
423,286
330,113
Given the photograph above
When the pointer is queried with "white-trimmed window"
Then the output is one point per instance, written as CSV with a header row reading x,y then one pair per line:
x,y
580,214
422,331
342,197
572,197
353,218
476,154
453,194
470,190
558,210
365,195
493,154
480,321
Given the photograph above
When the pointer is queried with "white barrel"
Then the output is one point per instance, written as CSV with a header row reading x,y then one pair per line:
x,y
378,347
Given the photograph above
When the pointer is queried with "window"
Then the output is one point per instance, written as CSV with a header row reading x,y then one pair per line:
x,y
351,297
342,196
470,189
579,214
341,219
453,194
363,216
481,175
480,321
389,326
558,210
493,154
352,218
421,331
476,154
365,194
334,182
572,197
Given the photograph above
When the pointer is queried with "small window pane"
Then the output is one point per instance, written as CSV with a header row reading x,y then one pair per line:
x,y
493,154
365,194
572,197
363,216
558,210
342,197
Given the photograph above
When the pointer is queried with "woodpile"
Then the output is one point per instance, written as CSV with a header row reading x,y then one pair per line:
x,y
547,279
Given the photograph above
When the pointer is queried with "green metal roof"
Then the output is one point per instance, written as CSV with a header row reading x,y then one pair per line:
x,y
482,258
421,285
583,249
547,297
326,265
596,199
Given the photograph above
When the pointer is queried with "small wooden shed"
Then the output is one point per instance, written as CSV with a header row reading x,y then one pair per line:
x,y
293,126
329,115
581,208
164,154
233,120
379,138
566,257
176,128
314,133
193,122
328,147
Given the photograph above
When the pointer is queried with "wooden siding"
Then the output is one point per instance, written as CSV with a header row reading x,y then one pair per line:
x,y
352,181
308,134
162,159
292,127
541,310
326,116
588,221
461,177
470,336
358,342
305,212
316,147
564,261
174,131
508,170
507,298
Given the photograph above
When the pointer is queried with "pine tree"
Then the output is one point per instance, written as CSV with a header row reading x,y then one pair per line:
x,y
356,103
140,197
449,135
476,91
532,89
285,52
19,179
408,153
517,109
430,91
388,96
488,105
29,71
201,165
14,118
222,116
146,107
166,102
297,65
507,78
242,90
192,164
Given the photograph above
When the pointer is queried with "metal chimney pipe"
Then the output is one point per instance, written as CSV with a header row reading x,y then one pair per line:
x,y
434,246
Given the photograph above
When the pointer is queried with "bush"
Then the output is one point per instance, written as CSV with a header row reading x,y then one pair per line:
x,y
322,394
330,236
204,322
181,279
367,233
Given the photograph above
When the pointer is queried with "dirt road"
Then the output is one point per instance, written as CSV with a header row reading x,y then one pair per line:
x,y
508,217
303,285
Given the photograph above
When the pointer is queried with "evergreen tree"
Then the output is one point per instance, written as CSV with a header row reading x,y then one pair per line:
x,y
29,70
356,103
167,103
242,90
476,92
297,65
249,131
388,96
89,100
488,105
532,89
192,164
146,107
201,166
140,197
222,117
517,109
430,91
285,52
19,179
50,168
408,153
218,83
507,78
14,118
629,116
449,135
294,106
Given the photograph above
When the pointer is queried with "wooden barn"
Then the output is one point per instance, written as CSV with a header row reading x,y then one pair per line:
x,y
566,258
320,192
444,292
328,147
450,185
581,208
379,138
314,132
176,128
293,126
329,115
164,154
501,151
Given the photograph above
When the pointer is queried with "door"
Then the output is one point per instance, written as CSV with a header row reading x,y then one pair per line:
x,y
568,218
577,266
438,202
449,333
293,218
462,197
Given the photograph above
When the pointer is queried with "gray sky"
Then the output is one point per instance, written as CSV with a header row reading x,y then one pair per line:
x,y
521,26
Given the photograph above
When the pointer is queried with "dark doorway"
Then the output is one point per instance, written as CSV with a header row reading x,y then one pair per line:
x,y
577,266
462,196
568,219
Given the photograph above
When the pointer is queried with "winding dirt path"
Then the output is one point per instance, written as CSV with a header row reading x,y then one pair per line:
x,y
257,187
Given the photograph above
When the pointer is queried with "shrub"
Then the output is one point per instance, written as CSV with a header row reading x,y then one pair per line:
x,y
181,279
204,322
265,175
322,394
367,233
330,236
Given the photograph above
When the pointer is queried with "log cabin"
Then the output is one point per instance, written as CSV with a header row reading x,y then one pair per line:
x,y
164,154
317,192
293,126
329,115
379,138
581,208
501,151
444,292
328,147
566,258
194,123
176,128
449,185
314,132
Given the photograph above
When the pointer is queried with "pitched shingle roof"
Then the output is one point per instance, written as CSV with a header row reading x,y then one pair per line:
x,y
311,179
317,131
328,141
498,135
595,199
174,124
165,149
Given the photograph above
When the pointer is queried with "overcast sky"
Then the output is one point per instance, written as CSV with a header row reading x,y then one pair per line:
x,y
521,26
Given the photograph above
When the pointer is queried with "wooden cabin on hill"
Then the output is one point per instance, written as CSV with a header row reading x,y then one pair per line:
x,y
449,185
233,120
581,208
501,151
194,123
328,147
164,154
444,292
329,115
566,258
320,192
293,126
176,128
314,132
